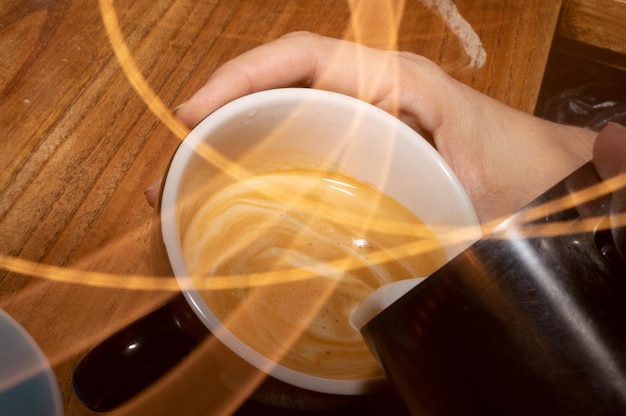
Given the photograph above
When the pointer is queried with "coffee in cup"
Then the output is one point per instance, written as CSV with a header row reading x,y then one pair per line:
x,y
352,189
284,209
286,253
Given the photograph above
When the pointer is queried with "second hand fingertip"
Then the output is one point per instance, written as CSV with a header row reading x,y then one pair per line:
x,y
185,113
178,107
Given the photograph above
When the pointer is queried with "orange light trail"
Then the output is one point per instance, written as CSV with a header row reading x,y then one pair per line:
x,y
390,17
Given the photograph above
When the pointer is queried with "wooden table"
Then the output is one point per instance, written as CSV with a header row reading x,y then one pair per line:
x,y
78,144
597,23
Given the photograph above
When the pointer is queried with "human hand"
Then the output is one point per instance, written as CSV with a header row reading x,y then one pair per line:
x,y
609,155
504,157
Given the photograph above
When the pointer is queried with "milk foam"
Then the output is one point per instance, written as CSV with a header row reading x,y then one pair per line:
x,y
316,226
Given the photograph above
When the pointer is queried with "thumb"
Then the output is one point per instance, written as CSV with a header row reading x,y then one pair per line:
x,y
609,154
609,150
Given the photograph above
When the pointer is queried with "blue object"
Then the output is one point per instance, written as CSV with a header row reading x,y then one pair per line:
x,y
28,385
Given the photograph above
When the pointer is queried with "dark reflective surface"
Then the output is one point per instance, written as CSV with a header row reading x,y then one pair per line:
x,y
138,355
516,325
127,363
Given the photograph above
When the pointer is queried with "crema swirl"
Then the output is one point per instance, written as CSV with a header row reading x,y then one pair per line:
x,y
296,250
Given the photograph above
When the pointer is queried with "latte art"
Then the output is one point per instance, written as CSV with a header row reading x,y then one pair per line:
x,y
331,238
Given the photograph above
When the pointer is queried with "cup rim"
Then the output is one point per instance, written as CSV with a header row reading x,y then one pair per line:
x,y
170,230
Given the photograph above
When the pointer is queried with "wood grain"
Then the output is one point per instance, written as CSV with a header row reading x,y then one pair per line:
x,y
78,145
598,23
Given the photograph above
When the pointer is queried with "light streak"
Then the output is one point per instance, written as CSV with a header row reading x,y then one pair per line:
x,y
466,34
360,9
390,18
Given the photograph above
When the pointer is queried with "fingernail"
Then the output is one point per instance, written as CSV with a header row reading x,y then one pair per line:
x,y
178,107
154,185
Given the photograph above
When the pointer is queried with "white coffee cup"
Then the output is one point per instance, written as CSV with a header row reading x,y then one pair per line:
x,y
370,144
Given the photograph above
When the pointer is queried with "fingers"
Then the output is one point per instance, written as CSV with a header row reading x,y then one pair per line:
x,y
402,84
488,144
609,151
